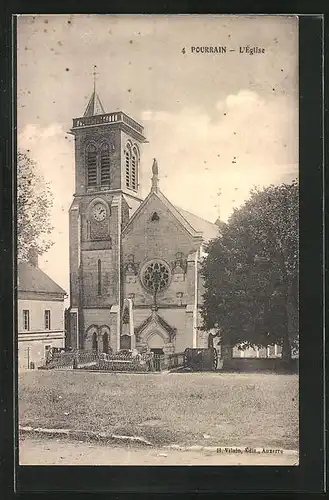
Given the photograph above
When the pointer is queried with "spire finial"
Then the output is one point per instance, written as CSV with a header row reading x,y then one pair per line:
x,y
155,169
94,107
219,194
155,178
218,220
94,75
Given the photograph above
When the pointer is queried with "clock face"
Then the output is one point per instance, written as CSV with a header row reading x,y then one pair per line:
x,y
99,212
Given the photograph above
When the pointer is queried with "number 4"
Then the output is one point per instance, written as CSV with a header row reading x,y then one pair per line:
x,y
183,50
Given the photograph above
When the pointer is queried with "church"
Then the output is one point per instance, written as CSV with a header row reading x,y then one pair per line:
x,y
134,264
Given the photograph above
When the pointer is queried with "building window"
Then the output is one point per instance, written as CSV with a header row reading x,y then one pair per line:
x,y
99,277
94,342
155,276
127,162
105,165
106,343
134,163
47,319
26,319
91,166
131,168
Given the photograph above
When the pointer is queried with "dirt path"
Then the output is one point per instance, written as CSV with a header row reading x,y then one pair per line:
x,y
62,452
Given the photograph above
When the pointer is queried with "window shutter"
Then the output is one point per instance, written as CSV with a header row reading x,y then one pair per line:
x,y
105,165
134,171
127,155
92,166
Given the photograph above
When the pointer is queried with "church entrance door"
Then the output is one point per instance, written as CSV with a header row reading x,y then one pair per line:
x,y
157,357
155,343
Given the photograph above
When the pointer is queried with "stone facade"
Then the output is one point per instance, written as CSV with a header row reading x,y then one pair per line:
x,y
40,316
115,237
165,239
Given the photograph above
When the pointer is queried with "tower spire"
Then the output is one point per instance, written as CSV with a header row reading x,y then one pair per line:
x,y
155,175
94,107
94,75
219,193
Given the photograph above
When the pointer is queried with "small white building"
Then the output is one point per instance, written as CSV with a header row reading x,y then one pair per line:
x,y
273,351
40,312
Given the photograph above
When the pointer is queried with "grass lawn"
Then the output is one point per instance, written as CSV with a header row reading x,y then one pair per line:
x,y
230,409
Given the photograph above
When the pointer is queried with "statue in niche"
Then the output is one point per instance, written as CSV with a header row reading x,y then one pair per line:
x,y
125,322
179,267
131,270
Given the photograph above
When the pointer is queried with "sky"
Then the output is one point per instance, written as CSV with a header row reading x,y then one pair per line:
x,y
217,123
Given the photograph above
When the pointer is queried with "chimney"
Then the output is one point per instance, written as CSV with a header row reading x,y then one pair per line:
x,y
33,257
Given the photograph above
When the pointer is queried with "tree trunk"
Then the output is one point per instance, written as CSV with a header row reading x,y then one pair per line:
x,y
286,347
226,356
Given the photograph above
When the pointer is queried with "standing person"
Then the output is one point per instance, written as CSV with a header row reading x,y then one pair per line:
x,y
150,356
49,355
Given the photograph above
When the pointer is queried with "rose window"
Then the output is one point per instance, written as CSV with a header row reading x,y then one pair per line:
x,y
156,276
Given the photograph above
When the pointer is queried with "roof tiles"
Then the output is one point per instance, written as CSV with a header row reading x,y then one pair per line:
x,y
32,279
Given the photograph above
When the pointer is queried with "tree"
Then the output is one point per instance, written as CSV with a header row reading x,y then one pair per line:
x,y
251,272
34,202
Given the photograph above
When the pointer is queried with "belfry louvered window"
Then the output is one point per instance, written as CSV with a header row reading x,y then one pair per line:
x,y
105,165
134,160
127,164
131,167
91,166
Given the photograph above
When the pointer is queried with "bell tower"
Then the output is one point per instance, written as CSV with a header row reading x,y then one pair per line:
x,y
107,151
107,192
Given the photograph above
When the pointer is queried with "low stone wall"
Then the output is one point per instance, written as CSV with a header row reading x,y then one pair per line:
x,y
260,365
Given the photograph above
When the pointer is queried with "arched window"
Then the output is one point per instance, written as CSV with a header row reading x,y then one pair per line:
x,y
127,162
155,276
99,277
106,342
155,217
134,165
105,165
95,342
91,165
131,167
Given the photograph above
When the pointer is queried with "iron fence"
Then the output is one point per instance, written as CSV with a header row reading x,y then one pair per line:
x,y
94,360
201,359
175,360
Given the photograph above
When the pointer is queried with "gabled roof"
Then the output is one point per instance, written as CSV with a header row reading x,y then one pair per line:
x,y
176,213
208,229
155,317
197,227
94,107
32,279
194,224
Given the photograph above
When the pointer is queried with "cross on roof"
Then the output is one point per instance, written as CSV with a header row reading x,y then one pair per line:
x,y
219,193
94,106
94,76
